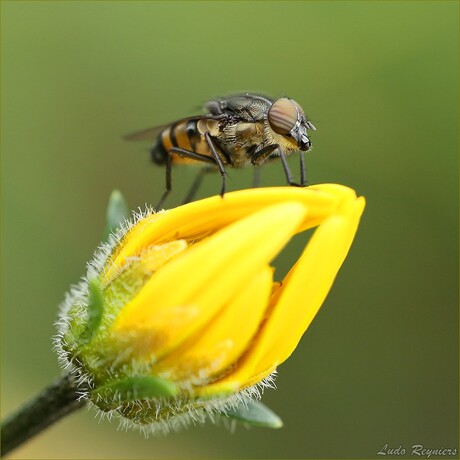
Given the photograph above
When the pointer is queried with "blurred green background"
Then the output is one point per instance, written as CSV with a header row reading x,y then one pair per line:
x,y
380,82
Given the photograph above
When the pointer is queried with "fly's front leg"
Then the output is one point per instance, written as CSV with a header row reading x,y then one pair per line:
x,y
218,161
303,176
256,177
263,155
260,157
287,171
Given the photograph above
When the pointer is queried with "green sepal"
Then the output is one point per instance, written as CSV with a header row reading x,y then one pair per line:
x,y
117,212
95,308
256,414
134,388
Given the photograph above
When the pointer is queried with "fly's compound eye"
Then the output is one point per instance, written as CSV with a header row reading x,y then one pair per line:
x,y
283,116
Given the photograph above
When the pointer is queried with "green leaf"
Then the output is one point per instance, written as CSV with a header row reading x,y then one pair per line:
x,y
256,414
132,388
117,212
95,308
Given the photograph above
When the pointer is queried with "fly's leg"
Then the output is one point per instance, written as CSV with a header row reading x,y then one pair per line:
x,y
192,155
263,155
256,177
182,153
196,184
287,171
303,176
260,157
168,183
218,161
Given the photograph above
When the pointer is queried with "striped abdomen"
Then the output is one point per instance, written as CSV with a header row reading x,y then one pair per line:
x,y
187,135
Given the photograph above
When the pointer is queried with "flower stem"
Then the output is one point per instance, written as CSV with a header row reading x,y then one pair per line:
x,y
53,403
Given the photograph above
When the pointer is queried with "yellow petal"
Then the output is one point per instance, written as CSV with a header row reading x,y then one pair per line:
x,y
308,285
205,277
235,381
298,300
204,217
223,340
150,260
129,281
116,262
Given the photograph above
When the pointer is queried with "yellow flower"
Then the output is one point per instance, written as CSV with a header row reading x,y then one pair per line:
x,y
179,315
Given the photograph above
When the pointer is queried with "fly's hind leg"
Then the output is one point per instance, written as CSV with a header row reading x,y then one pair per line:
x,y
215,160
197,183
168,183
182,153
192,155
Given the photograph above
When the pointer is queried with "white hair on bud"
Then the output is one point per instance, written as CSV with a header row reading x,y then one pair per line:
x,y
181,412
184,413
77,299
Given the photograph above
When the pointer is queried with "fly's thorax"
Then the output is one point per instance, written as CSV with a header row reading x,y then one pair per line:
x,y
246,107
241,139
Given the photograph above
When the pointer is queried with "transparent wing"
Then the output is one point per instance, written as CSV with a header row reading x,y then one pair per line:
x,y
150,134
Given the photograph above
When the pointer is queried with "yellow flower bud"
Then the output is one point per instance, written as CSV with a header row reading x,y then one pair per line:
x,y
179,316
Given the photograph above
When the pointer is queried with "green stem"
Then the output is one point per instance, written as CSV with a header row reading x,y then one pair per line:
x,y
53,403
